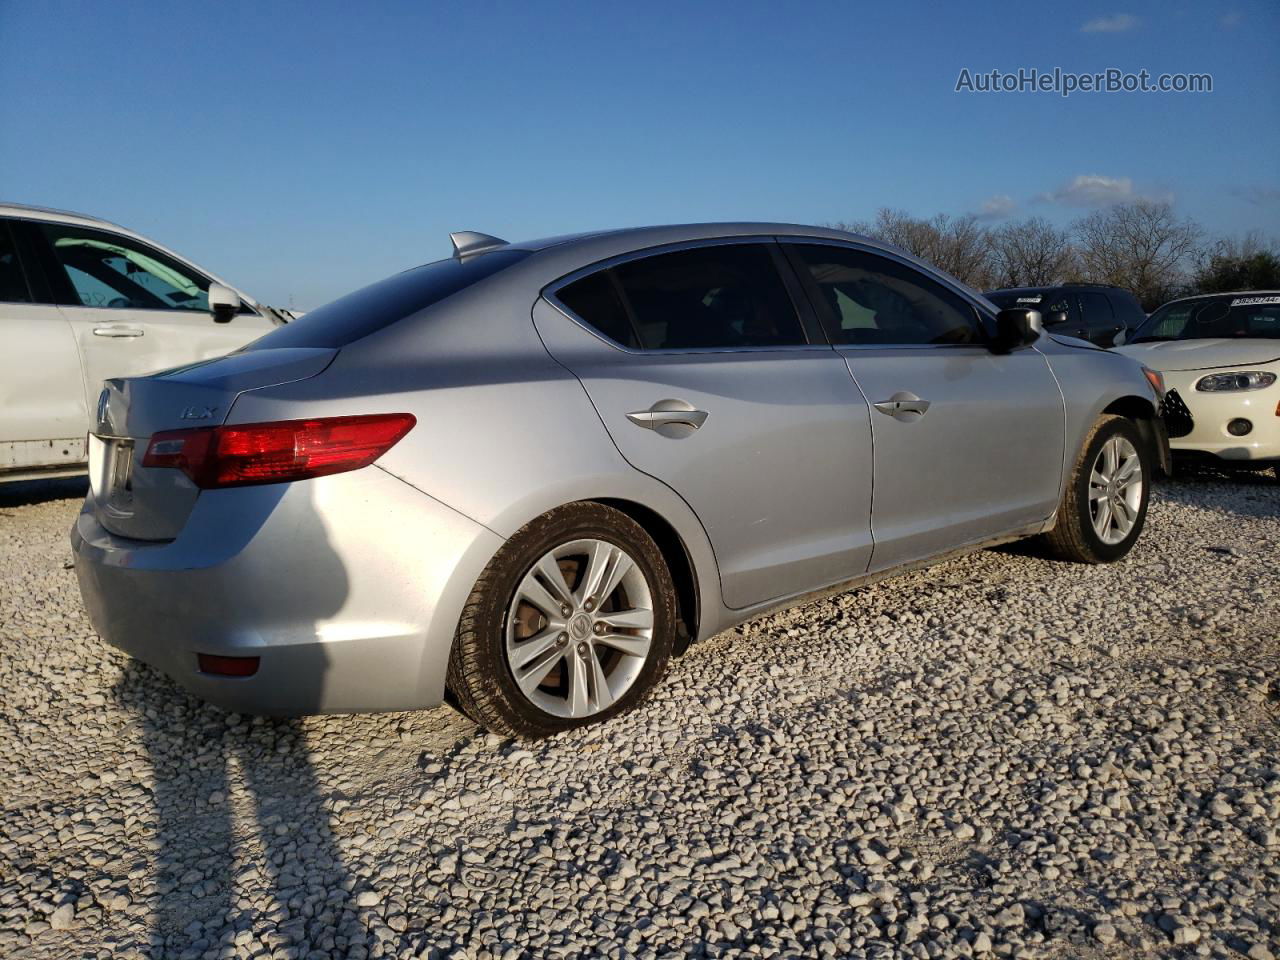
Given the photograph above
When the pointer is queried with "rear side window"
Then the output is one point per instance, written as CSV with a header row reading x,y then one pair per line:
x,y
13,283
381,304
873,300
1098,315
595,299
726,296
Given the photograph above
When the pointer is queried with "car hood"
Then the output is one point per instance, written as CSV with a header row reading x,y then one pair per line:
x,y
1202,354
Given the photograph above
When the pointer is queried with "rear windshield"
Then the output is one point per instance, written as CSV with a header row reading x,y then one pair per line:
x,y
1232,315
379,305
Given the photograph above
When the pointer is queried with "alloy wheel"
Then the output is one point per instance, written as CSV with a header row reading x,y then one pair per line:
x,y
579,628
1115,490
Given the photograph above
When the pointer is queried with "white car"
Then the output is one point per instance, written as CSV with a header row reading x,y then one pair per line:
x,y
1220,358
83,300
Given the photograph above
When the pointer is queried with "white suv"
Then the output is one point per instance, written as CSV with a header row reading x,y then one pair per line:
x,y
82,300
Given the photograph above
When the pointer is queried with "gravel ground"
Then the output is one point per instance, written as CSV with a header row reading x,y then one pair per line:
x,y
999,756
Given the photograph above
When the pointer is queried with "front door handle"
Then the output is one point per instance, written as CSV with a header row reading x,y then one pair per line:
x,y
113,331
671,414
903,406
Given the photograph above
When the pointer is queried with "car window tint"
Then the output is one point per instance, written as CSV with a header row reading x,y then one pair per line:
x,y
874,300
108,270
1098,315
727,295
595,300
13,283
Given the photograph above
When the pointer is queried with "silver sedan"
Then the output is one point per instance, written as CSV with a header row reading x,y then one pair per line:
x,y
523,478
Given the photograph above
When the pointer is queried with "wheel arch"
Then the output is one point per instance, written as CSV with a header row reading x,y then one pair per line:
x,y
679,563
1147,419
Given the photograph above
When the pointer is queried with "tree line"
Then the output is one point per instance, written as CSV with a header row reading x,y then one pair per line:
x,y
1143,246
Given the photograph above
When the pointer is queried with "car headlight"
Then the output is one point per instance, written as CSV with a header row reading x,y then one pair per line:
x,y
1249,380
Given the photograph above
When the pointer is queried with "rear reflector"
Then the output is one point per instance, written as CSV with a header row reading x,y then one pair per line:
x,y
254,453
227,666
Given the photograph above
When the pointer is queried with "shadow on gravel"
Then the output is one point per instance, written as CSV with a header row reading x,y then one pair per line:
x,y
245,860
27,492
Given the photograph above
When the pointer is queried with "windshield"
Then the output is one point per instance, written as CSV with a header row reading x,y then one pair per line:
x,y
1230,316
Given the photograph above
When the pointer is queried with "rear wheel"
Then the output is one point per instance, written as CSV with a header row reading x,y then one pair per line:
x,y
1105,505
571,622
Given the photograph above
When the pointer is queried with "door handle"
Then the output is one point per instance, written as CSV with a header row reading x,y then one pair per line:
x,y
903,406
118,331
669,413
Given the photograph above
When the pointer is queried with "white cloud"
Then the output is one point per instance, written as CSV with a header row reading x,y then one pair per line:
x,y
997,207
1116,23
1092,190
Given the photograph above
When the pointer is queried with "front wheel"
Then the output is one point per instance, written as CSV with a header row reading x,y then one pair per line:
x,y
572,622
1105,504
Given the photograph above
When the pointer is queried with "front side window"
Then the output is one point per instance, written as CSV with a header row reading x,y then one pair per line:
x,y
872,300
108,270
726,296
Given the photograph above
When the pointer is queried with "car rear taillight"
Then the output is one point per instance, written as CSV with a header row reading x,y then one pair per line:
x,y
254,453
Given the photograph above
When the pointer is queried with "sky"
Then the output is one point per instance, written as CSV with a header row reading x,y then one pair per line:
x,y
302,150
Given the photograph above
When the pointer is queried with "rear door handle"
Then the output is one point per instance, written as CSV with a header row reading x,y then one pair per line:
x,y
669,413
113,331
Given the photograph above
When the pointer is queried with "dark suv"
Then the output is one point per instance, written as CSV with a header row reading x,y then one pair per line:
x,y
1096,312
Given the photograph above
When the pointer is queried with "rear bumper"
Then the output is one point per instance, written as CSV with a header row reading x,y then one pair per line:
x,y
348,588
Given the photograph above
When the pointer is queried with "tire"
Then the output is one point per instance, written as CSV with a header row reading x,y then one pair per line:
x,y
1076,536
588,676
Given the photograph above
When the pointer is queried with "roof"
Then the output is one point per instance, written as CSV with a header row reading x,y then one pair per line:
x,y
1057,286
32,212
676,232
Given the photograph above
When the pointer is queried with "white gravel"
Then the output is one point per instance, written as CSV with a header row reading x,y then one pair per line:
x,y
997,756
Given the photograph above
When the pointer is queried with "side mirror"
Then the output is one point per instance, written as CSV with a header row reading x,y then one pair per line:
x,y
1015,327
1055,316
224,303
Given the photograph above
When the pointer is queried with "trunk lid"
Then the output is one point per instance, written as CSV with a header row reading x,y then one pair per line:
x,y
142,503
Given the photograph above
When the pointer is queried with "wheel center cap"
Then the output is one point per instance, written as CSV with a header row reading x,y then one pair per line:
x,y
580,627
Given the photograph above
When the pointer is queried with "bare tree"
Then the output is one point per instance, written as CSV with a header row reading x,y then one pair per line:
x,y
1031,253
1141,246
957,245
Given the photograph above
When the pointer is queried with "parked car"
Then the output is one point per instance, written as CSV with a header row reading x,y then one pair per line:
x,y
524,477
82,300
1220,358
1097,312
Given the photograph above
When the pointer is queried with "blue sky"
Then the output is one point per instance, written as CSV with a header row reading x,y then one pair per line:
x,y
302,150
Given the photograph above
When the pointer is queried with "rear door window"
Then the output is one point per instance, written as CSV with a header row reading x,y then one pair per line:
x,y
723,296
13,282
1099,318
